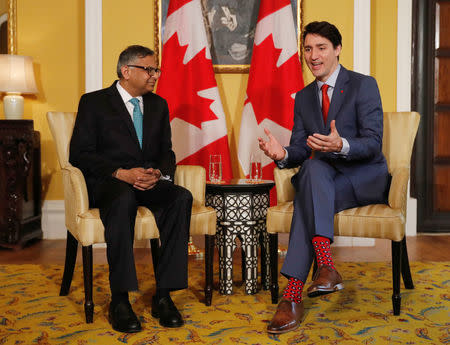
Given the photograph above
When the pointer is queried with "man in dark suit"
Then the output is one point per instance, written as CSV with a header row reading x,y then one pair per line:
x,y
122,143
338,116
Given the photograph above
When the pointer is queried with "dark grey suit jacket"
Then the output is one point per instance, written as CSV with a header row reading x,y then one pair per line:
x,y
104,138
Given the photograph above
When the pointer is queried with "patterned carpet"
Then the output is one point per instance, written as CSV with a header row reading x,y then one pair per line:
x,y
31,312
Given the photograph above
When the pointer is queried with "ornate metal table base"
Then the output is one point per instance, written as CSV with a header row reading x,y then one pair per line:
x,y
241,213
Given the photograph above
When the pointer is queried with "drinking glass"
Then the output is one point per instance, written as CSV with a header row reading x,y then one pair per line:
x,y
255,167
215,168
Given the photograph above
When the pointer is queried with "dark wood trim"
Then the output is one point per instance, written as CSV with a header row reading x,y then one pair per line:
x,y
443,52
442,107
424,53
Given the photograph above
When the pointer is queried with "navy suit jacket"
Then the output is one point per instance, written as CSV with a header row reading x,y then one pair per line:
x,y
104,138
356,107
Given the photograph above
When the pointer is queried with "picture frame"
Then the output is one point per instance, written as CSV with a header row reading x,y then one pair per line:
x,y
8,32
231,43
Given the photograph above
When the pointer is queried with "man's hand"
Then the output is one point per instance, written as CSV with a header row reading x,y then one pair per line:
x,y
140,178
326,143
271,148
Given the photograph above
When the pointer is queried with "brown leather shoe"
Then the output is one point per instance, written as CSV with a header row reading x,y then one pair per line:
x,y
326,280
287,317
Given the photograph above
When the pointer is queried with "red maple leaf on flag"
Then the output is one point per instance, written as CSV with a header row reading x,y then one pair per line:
x,y
190,107
269,87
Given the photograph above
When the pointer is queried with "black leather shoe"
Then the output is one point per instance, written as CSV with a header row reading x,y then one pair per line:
x,y
168,314
123,319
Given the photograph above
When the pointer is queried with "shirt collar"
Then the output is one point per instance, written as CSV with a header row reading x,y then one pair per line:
x,y
331,81
125,95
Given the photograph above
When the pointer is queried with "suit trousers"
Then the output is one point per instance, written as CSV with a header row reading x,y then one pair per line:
x,y
321,191
171,205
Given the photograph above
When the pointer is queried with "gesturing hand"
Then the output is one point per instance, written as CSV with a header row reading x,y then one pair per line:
x,y
326,143
271,148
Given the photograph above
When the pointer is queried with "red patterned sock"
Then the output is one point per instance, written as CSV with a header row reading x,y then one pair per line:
x,y
293,290
323,251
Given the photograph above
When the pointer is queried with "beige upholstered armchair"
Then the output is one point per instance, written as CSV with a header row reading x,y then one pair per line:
x,y
85,227
373,221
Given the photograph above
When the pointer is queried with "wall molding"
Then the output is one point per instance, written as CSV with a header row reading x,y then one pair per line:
x,y
361,36
404,70
93,45
361,64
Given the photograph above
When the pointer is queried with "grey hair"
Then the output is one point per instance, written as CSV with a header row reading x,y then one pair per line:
x,y
130,54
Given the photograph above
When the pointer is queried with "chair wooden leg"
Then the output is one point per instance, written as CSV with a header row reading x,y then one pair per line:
x,y
273,248
209,262
87,273
406,272
69,265
396,269
154,245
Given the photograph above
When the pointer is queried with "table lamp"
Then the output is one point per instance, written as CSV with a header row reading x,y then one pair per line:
x,y
16,77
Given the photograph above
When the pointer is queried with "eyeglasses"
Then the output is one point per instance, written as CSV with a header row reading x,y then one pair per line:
x,y
151,71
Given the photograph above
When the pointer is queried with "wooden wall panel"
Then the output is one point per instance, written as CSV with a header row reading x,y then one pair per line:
x,y
442,80
442,135
443,11
441,188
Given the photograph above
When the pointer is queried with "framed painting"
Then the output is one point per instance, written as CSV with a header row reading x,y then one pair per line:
x,y
230,28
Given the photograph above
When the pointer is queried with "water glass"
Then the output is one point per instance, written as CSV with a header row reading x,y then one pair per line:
x,y
255,167
215,168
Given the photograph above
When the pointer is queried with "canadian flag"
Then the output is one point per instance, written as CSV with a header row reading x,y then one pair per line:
x,y
189,86
275,76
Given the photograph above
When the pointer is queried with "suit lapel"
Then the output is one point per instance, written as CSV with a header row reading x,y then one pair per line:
x,y
316,111
147,120
120,108
338,95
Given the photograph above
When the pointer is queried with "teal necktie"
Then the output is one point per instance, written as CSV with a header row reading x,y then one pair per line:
x,y
137,119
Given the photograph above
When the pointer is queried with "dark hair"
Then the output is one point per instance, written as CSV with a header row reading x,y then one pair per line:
x,y
324,29
130,54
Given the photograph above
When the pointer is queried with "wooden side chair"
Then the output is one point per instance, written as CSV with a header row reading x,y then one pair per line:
x,y
84,225
372,221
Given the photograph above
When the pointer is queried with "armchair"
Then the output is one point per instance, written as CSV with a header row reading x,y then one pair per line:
x,y
373,221
84,225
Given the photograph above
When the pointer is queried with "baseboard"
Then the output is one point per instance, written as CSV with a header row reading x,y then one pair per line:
x,y
53,220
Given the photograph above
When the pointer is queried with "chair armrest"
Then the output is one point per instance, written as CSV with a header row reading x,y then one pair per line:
x,y
76,199
193,178
398,189
285,189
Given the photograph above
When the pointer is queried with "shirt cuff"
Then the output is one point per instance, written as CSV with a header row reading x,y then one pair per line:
x,y
345,148
283,162
165,178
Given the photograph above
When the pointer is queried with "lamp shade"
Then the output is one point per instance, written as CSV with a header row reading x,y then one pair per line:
x,y
17,74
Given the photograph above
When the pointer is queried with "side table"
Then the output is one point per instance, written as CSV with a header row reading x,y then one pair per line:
x,y
241,208
20,183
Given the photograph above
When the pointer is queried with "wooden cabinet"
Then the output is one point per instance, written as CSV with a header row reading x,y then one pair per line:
x,y
20,183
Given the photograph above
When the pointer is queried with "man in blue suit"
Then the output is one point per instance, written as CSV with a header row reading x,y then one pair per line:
x,y
339,118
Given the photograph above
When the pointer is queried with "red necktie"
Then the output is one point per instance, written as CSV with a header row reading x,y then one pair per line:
x,y
325,103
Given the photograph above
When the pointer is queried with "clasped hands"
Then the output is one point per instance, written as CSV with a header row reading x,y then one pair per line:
x,y
141,179
317,142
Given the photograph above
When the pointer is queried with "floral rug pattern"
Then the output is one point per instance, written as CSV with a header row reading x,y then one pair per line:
x,y
31,312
